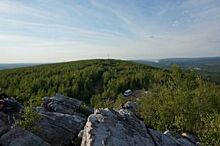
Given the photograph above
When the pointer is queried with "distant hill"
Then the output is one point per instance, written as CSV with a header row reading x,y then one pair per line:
x,y
15,65
207,66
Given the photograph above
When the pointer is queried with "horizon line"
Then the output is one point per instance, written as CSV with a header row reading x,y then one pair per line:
x,y
53,62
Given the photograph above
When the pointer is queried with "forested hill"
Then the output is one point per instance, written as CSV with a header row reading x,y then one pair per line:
x,y
81,79
176,99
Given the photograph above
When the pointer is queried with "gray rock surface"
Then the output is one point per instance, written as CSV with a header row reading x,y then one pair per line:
x,y
21,137
3,127
58,128
108,127
191,137
130,105
61,104
60,123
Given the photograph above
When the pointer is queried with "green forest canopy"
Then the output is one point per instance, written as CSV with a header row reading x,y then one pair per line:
x,y
176,99
80,79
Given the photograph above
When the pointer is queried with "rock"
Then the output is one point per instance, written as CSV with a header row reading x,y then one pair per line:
x,y
173,134
190,137
60,123
59,129
63,118
3,128
130,105
21,137
107,127
61,104
2,123
80,135
169,139
111,128
3,117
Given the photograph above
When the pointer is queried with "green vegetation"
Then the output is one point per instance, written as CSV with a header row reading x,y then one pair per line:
x,y
99,81
207,67
183,101
176,99
30,116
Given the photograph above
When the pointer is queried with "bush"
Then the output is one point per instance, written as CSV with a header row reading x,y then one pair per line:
x,y
30,116
184,102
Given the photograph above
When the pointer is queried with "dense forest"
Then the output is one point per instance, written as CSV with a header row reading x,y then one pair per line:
x,y
93,80
176,99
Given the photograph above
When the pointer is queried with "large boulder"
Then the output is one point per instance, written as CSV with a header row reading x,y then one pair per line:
x,y
58,128
107,127
61,104
110,128
20,137
60,122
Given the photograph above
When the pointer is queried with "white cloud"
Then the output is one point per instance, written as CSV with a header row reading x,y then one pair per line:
x,y
20,9
60,34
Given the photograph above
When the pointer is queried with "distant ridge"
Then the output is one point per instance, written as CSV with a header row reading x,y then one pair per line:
x,y
16,65
207,66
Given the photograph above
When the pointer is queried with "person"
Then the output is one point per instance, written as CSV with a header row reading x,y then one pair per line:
x,y
11,108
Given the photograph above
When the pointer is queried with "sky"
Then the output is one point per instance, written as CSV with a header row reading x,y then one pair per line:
x,y
37,31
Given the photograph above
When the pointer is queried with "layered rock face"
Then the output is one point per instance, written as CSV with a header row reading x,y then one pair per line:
x,y
62,123
18,137
61,104
21,137
108,127
59,124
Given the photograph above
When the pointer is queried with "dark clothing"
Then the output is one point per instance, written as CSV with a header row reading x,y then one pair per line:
x,y
11,108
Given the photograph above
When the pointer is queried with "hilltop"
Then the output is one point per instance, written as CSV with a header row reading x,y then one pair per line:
x,y
175,99
81,79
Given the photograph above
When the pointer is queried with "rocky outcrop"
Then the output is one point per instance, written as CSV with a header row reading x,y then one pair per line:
x,y
60,123
20,137
64,122
58,128
107,127
61,104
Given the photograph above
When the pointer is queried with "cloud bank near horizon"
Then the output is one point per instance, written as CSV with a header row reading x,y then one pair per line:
x,y
51,31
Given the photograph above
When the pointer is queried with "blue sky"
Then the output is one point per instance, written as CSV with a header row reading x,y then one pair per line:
x,y
64,30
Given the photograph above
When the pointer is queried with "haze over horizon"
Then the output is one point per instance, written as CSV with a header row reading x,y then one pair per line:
x,y
54,31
